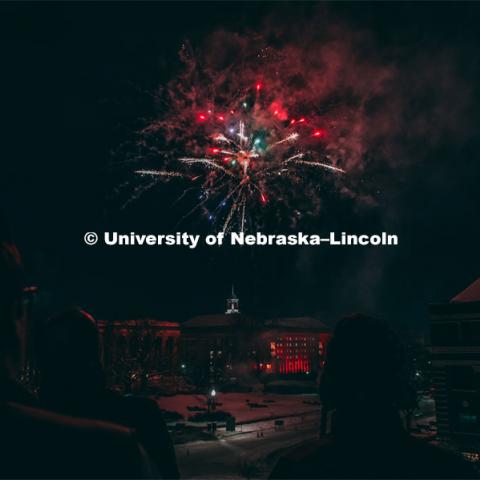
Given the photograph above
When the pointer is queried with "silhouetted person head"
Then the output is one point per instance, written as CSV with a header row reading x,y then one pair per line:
x,y
72,383
365,370
364,385
11,305
69,355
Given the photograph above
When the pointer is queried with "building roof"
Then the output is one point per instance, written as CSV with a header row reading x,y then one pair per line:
x,y
214,320
140,322
234,319
470,294
297,323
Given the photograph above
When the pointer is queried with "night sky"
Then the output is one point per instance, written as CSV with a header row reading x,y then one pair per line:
x,y
76,79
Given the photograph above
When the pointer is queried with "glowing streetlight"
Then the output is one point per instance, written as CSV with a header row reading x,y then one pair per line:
x,y
211,400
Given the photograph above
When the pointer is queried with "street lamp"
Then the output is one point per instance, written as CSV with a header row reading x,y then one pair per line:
x,y
211,400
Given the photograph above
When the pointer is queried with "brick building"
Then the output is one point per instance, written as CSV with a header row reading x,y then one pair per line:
x,y
224,347
142,348
455,352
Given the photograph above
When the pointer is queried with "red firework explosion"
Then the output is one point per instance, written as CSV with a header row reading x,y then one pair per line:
x,y
250,149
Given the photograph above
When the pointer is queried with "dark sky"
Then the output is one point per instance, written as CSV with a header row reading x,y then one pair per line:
x,y
74,83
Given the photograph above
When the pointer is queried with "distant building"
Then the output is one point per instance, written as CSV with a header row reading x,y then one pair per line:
x,y
296,345
215,346
142,347
455,350
228,347
221,348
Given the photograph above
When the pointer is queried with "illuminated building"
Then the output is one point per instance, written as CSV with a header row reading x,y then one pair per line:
x,y
226,347
296,345
455,351
147,346
215,346
214,349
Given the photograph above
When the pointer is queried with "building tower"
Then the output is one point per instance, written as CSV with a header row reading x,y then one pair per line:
x,y
232,303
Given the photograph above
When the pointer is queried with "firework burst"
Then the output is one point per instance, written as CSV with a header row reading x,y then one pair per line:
x,y
247,159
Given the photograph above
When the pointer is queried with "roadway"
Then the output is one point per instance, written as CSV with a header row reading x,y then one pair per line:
x,y
244,454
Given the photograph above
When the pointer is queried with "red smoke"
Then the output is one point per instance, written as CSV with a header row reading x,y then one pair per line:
x,y
358,99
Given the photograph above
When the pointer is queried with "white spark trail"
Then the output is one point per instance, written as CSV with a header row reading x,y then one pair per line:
x,y
243,212
320,165
205,161
159,173
221,138
234,206
293,157
241,133
289,138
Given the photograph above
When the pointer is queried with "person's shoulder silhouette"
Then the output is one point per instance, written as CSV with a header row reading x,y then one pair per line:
x,y
42,444
363,389
72,382
144,415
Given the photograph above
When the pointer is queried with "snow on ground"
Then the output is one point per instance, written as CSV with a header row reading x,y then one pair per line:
x,y
276,405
